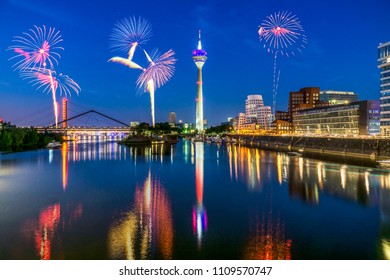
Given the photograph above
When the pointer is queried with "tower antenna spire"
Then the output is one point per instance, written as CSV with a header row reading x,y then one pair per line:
x,y
199,41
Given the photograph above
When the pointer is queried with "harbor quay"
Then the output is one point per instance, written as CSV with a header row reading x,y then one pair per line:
x,y
369,148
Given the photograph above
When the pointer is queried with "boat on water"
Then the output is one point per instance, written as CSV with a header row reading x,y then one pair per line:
x,y
54,145
171,138
149,140
294,154
384,163
197,139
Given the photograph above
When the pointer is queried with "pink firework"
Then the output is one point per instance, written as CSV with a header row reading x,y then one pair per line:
x,y
129,32
48,80
126,36
160,70
282,32
37,48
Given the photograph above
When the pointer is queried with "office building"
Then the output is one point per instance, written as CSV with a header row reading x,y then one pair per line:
x,y
356,118
281,127
305,98
338,97
172,118
282,115
384,66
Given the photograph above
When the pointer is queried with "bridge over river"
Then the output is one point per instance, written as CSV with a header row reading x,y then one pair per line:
x,y
90,132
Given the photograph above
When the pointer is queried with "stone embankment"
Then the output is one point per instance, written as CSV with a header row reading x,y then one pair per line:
x,y
371,148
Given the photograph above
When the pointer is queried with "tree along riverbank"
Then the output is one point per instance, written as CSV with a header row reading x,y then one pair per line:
x,y
14,138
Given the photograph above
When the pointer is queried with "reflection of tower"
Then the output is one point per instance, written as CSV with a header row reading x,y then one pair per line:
x,y
146,230
64,112
199,215
199,57
64,154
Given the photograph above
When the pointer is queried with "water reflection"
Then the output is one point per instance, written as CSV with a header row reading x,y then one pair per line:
x,y
245,164
91,151
267,240
146,230
186,150
305,178
199,214
44,230
300,186
385,223
152,153
86,151
263,205
64,155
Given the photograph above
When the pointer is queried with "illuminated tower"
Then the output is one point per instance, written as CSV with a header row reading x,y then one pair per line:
x,y
64,112
199,57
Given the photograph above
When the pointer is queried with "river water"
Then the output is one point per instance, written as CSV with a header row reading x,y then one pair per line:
x,y
189,201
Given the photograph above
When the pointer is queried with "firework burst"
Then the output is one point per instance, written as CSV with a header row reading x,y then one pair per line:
x,y
159,71
50,82
36,58
129,32
36,48
282,33
126,36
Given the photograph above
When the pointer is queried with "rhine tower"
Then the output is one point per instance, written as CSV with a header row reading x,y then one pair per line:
x,y
199,56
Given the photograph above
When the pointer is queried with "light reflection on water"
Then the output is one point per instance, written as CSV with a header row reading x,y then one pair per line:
x,y
267,240
150,203
147,228
199,214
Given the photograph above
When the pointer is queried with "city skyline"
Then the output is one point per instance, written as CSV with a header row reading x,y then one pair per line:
x,y
341,54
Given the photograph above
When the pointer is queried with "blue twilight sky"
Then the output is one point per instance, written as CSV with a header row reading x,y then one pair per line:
x,y
343,36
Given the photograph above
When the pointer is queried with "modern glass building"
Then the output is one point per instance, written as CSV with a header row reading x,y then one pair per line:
x,y
307,97
356,118
384,66
338,97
